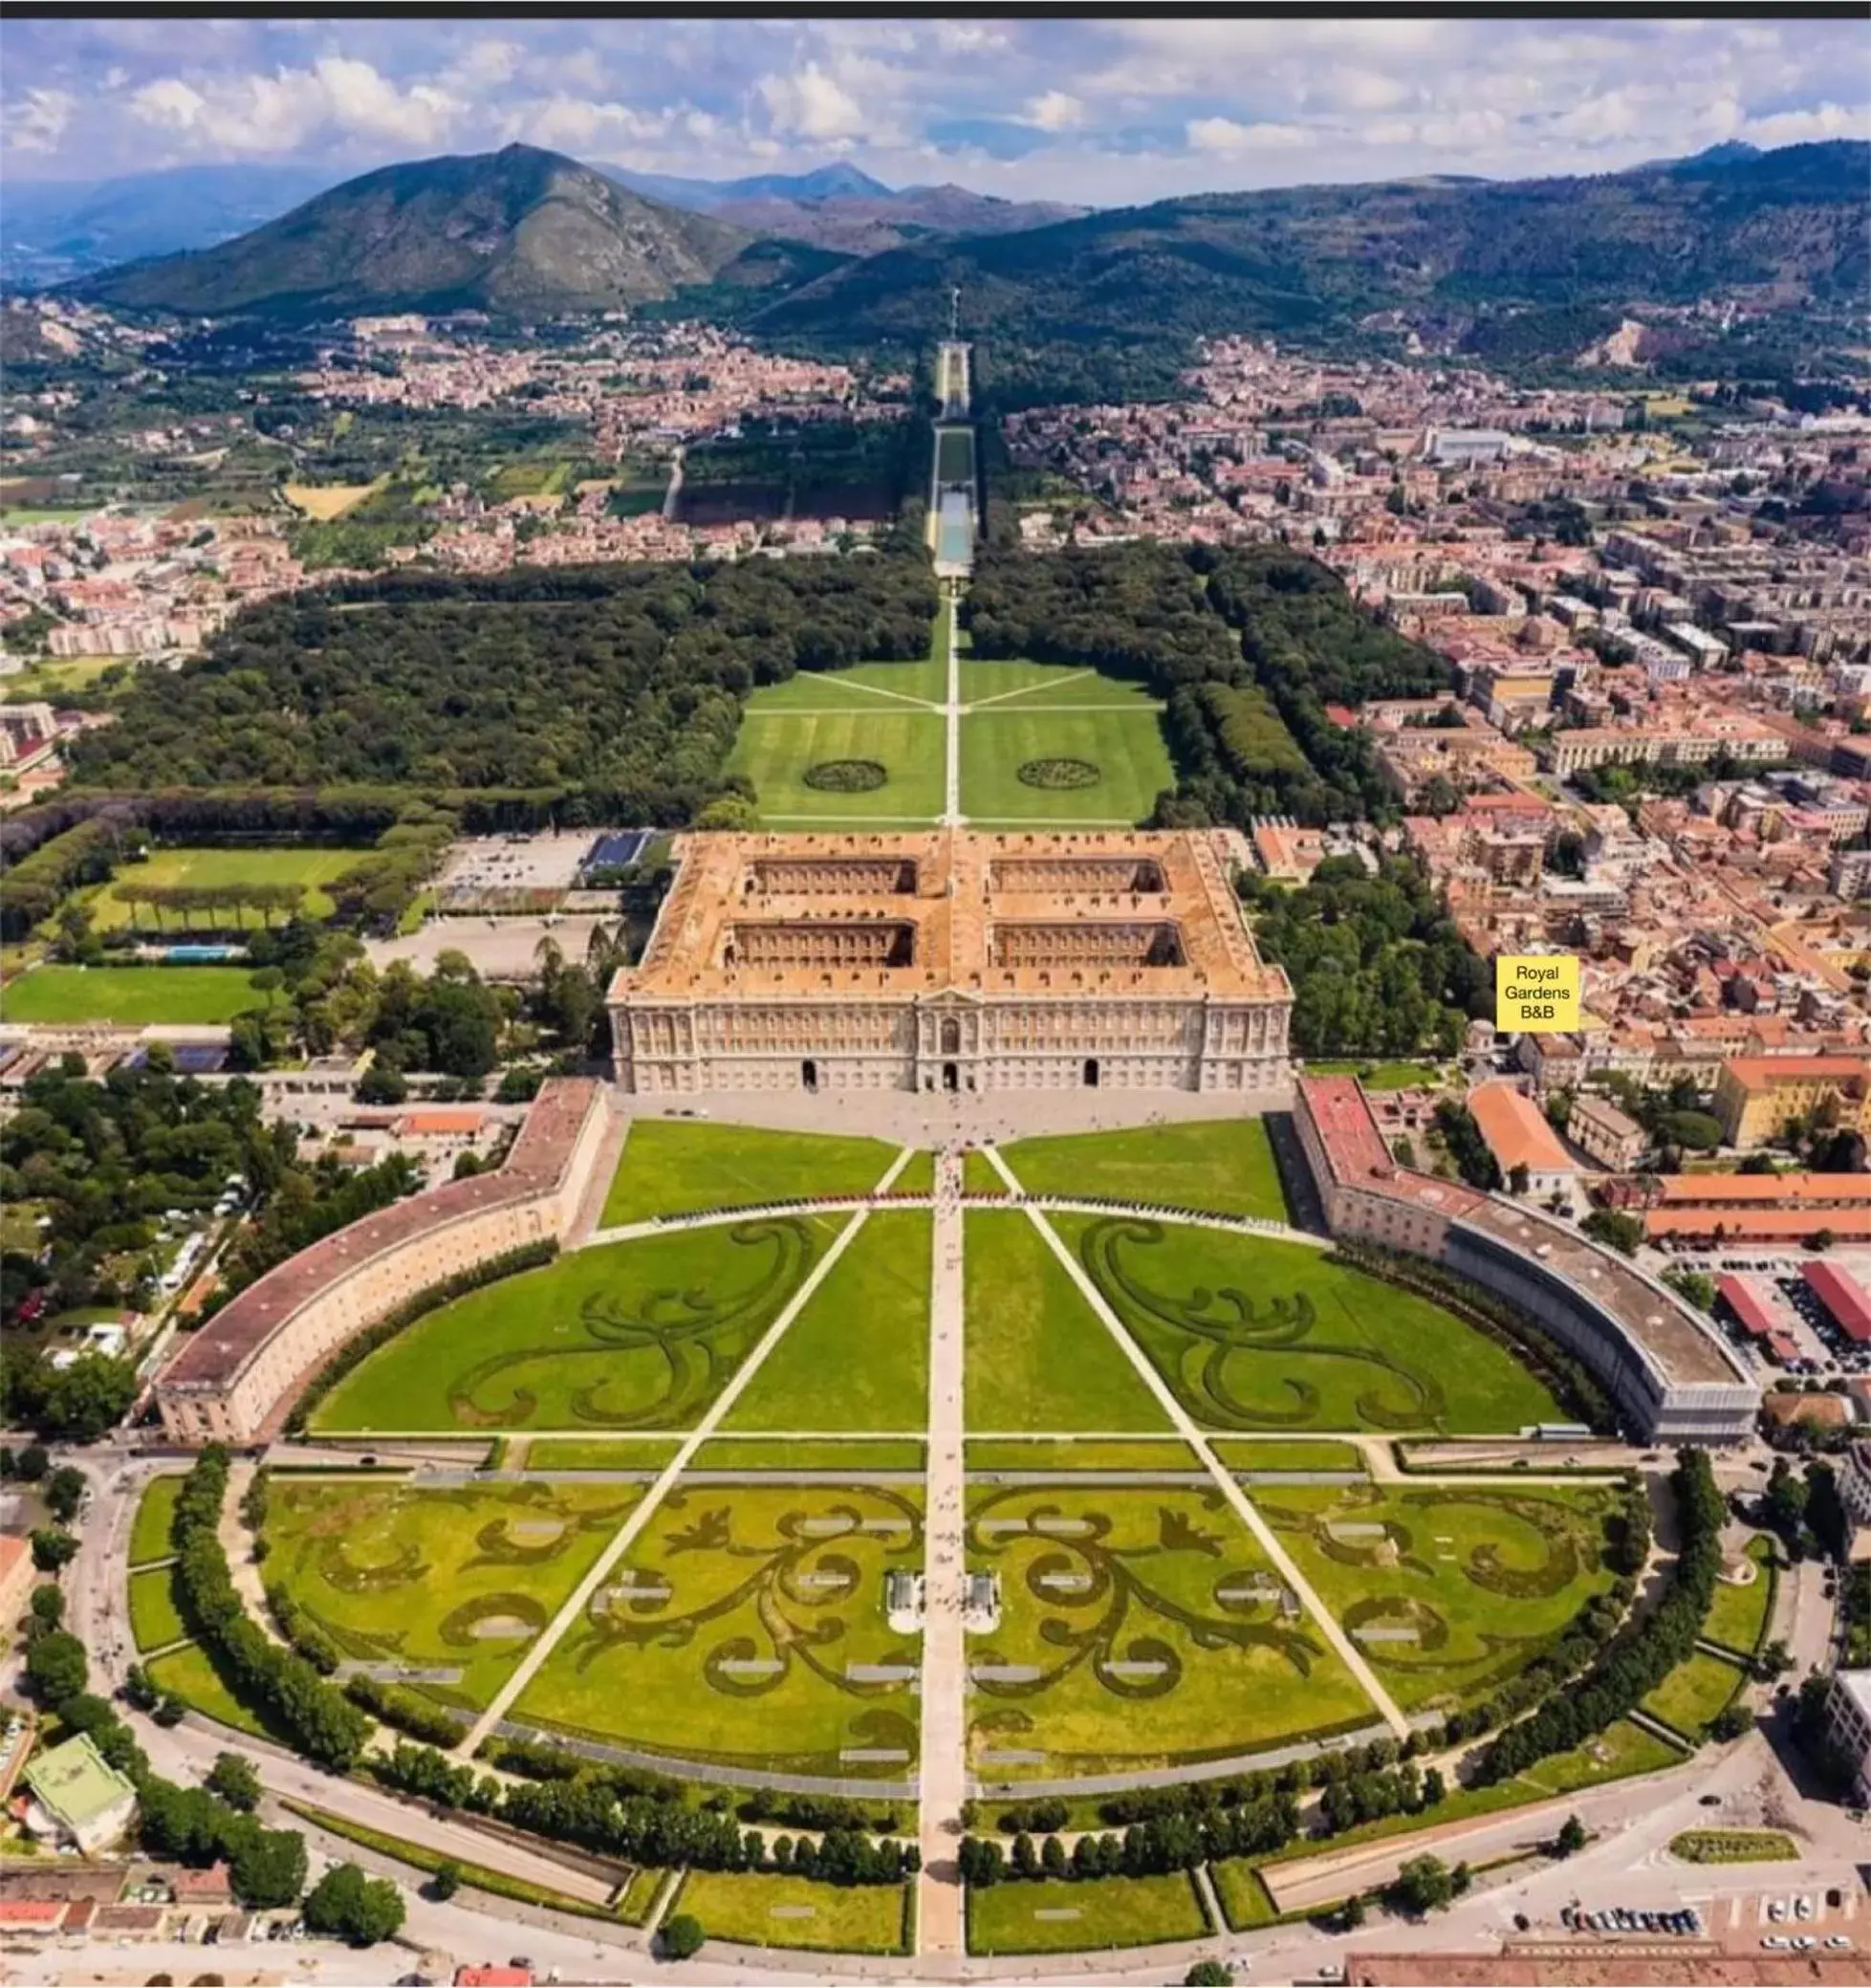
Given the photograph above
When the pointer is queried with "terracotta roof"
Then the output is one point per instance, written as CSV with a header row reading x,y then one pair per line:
x,y
1764,1189
215,1354
1516,1130
1843,1297
1760,1072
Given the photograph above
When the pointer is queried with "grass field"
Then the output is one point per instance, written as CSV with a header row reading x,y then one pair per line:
x,y
1691,1696
729,1633
775,749
131,996
1242,1897
463,1578
1037,1355
1079,1454
150,1531
325,501
1265,1336
917,1177
593,1453
765,1909
1041,684
1380,1077
1737,1616
678,1167
114,904
1139,1629
191,1674
1060,1916
858,1356
979,1176
155,1611
1287,1454
627,1336
1123,742
733,1453
1446,1590
1223,1165
58,676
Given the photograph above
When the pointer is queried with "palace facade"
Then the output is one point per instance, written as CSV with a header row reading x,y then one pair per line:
x,y
952,960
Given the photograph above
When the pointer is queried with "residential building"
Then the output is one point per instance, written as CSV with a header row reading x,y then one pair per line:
x,y
77,1798
1612,1137
1848,1726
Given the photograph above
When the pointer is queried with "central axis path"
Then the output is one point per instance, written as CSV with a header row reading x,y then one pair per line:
x,y
951,710
943,1767
626,1535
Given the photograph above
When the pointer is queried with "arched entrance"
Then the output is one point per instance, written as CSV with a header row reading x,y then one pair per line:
x,y
950,1077
951,1036
1090,1073
809,1074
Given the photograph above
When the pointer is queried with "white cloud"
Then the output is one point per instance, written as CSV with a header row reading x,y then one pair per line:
x,y
282,112
1805,127
37,121
1225,137
1053,111
576,125
810,104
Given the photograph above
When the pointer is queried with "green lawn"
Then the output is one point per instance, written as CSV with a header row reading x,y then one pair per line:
x,y
599,1454
681,1166
1060,1916
1079,1454
1737,1616
1097,1579
156,1611
131,996
1292,1453
764,1909
626,1336
1041,684
917,1177
1379,1076
460,1579
979,1175
856,689
1446,1590
116,902
858,1356
1261,1336
1125,743
1243,1897
149,1532
728,1634
777,745
191,1676
56,677
731,1452
1691,1696
1225,1164
1038,1357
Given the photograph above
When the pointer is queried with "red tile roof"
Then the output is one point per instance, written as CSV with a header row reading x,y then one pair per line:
x,y
1843,1297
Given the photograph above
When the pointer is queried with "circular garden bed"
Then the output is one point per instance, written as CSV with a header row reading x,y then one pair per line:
x,y
847,777
1058,774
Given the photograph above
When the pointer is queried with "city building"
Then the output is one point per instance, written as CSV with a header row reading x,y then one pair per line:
x,y
951,961
237,1377
1518,1135
1852,1473
1671,1378
16,1576
1783,1208
1756,1098
77,1797
1603,1132
1843,1297
1848,1726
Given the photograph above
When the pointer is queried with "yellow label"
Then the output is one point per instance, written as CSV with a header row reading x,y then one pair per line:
x,y
1536,993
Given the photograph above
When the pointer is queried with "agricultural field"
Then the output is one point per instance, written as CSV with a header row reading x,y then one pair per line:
x,y
454,1581
131,996
1261,1336
747,1627
1139,1629
630,1336
1038,1357
1222,1165
323,502
230,870
771,1908
1063,1916
858,1356
1446,1590
679,1167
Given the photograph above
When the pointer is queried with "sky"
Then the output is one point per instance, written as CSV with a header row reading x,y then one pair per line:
x,y
1103,112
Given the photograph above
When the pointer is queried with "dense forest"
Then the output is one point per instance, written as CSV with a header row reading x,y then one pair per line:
x,y
623,682
1246,647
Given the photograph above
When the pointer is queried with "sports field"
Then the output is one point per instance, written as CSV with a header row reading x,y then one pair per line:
x,y
131,996
117,903
748,1625
1139,1629
1038,1356
1223,1165
1063,1917
681,1166
1257,1335
625,1336
1445,1591
858,1356
455,1581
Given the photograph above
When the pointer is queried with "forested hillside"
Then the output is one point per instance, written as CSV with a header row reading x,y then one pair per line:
x,y
623,682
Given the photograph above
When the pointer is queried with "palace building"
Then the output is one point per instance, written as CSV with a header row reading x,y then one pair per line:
x,y
950,960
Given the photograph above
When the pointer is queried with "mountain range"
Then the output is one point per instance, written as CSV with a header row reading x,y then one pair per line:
x,y
1511,267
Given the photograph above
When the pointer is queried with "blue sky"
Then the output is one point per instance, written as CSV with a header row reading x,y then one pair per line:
x,y
1106,112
